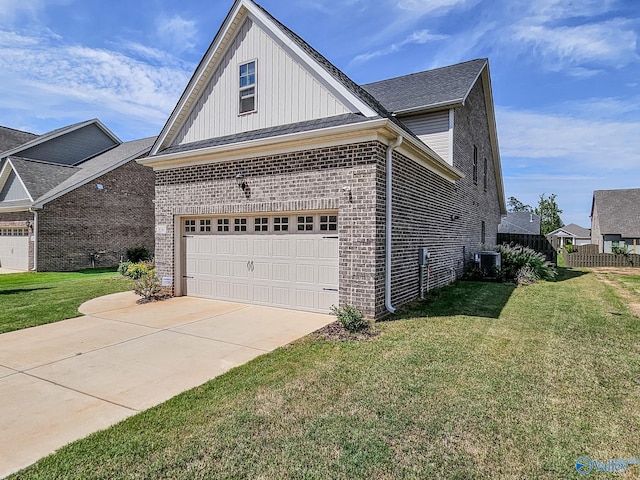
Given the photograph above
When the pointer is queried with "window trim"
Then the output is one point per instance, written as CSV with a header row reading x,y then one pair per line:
x,y
247,87
485,178
475,165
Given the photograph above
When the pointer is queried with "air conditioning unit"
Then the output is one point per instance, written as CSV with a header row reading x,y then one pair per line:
x,y
488,261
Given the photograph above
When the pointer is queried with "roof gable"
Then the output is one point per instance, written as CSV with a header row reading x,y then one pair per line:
x,y
69,145
253,32
618,212
13,188
434,89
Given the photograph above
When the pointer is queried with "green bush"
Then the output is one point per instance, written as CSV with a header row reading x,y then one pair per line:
x,y
618,250
351,318
138,254
514,258
123,267
139,270
569,248
147,286
526,275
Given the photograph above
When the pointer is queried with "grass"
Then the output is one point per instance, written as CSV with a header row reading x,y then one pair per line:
x,y
481,380
30,299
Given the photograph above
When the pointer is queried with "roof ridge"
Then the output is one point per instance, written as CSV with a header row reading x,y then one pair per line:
x,y
485,59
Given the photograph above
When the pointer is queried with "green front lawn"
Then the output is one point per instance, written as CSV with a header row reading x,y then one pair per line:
x,y
480,381
30,299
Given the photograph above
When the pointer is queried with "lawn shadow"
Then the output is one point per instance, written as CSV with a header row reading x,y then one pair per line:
x,y
22,290
96,271
475,299
568,273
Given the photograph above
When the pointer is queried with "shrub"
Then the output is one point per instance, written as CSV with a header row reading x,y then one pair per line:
x,y
618,250
351,318
526,275
123,267
139,270
514,258
138,254
147,286
569,248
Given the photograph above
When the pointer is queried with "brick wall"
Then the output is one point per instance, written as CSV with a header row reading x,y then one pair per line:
x,y
430,212
89,220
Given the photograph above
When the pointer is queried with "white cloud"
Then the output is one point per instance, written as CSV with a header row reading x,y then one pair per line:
x,y
417,37
586,144
424,7
61,79
176,32
611,42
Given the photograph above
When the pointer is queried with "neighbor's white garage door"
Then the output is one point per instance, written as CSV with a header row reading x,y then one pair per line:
x,y
255,261
14,248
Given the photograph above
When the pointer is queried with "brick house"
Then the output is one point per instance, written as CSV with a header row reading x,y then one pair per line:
x,y
279,181
73,198
615,220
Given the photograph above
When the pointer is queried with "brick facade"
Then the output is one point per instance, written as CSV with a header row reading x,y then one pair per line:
x,y
427,210
88,220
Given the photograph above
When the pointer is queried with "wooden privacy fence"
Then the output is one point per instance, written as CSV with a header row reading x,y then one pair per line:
x,y
580,259
539,243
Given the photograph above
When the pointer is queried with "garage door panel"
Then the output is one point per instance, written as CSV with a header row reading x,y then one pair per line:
x,y
327,275
287,270
305,274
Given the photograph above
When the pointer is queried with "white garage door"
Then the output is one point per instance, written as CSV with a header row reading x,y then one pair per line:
x,y
288,262
14,248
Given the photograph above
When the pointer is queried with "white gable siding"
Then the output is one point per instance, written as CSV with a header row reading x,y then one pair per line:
x,y
13,190
434,130
286,93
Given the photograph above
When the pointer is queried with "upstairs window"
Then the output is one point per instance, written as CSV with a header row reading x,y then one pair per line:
x,y
248,87
475,164
486,172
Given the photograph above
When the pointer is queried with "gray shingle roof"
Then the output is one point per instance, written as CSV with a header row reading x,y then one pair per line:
x,y
618,211
40,177
429,89
577,230
523,223
99,165
10,138
46,181
277,131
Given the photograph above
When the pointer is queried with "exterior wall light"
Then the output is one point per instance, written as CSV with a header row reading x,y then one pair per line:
x,y
241,181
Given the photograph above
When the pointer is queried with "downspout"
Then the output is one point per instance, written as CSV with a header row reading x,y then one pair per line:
x,y
35,239
387,286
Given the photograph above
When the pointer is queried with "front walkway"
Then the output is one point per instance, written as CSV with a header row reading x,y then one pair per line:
x,y
62,381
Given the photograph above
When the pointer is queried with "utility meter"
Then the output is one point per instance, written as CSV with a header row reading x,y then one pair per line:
x,y
423,256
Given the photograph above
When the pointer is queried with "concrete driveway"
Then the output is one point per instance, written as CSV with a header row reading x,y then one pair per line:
x,y
63,381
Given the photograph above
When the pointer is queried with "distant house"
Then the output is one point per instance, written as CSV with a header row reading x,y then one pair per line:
x,y
520,223
72,198
282,182
571,234
615,219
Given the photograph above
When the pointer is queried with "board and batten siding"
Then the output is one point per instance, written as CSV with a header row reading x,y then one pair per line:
x,y
286,92
435,130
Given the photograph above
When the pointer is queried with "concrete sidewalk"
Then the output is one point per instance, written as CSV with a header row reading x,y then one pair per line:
x,y
63,381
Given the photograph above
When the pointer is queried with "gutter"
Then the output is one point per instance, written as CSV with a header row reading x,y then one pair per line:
x,y
389,193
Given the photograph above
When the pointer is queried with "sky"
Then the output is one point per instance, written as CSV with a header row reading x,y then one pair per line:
x,y
565,73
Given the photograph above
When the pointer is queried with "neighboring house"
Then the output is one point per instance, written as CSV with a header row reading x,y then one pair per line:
x,y
279,181
10,138
615,219
73,198
520,223
571,234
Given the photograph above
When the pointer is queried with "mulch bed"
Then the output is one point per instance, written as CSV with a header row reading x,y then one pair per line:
x,y
336,332
158,298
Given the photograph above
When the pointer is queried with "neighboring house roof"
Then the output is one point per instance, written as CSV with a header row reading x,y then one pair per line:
x,y
618,211
10,138
571,230
523,223
422,91
34,149
45,182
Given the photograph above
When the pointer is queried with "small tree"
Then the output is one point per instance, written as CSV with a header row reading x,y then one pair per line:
x,y
516,205
549,214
